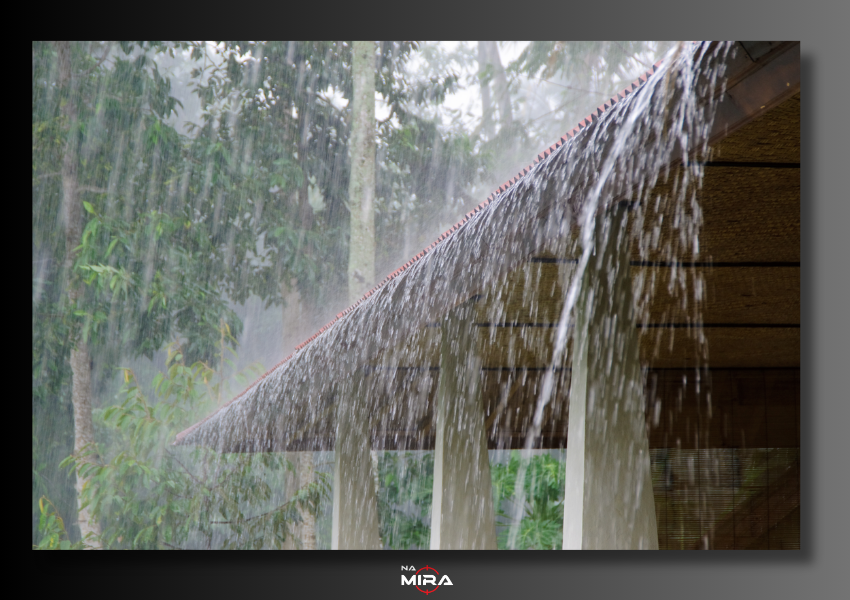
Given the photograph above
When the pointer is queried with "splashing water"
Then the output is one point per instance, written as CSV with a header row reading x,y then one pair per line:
x,y
621,158
669,113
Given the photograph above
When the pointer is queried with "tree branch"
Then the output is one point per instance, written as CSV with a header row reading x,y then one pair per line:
x,y
291,502
188,472
282,506
100,62
91,188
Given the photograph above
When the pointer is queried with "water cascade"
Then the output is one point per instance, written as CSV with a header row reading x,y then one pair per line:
x,y
532,293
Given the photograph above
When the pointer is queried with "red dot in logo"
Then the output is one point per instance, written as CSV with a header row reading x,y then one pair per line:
x,y
437,586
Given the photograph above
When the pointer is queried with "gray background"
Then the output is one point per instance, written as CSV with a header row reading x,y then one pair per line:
x,y
817,571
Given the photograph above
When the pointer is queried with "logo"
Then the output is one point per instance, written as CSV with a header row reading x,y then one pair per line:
x,y
427,580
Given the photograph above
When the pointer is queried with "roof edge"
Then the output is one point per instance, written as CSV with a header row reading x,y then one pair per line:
x,y
585,123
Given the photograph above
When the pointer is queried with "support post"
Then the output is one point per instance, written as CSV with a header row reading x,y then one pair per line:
x,y
355,504
462,515
608,499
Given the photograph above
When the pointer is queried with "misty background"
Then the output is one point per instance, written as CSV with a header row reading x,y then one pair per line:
x,y
210,221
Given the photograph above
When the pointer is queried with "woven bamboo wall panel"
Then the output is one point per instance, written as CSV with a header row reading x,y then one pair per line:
x,y
729,295
727,498
740,295
748,214
744,409
746,347
750,408
774,137
660,347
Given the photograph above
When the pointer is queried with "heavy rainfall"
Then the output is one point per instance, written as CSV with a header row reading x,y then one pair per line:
x,y
220,362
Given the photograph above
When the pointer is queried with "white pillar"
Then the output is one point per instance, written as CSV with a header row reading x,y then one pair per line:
x,y
355,505
608,500
462,515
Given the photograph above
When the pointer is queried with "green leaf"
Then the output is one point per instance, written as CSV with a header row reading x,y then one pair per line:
x,y
89,208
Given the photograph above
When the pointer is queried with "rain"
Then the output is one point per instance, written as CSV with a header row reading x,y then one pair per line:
x,y
315,295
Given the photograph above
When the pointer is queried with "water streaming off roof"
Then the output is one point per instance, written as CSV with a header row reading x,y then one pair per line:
x,y
664,209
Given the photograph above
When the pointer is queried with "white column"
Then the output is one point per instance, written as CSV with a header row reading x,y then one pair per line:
x,y
355,507
608,500
462,515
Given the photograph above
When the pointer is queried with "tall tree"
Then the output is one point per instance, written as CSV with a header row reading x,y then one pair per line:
x,y
488,52
130,276
80,359
484,76
178,226
361,186
286,163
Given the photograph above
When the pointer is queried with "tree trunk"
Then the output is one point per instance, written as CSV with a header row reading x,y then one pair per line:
x,y
308,520
361,188
303,535
80,360
486,105
500,86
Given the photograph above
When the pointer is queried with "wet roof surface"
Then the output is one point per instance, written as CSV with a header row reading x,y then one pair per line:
x,y
736,148
586,122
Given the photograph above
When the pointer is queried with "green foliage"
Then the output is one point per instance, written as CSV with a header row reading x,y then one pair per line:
x,y
177,228
275,127
541,526
145,303
405,493
147,493
52,528
124,156
404,499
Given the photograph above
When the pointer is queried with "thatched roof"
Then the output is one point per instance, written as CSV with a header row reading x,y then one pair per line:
x,y
519,242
